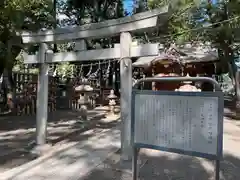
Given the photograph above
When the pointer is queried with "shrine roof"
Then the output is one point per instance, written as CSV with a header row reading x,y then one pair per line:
x,y
198,54
144,61
182,55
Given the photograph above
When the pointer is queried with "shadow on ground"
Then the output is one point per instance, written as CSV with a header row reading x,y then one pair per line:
x,y
74,163
85,152
11,123
17,134
166,166
230,109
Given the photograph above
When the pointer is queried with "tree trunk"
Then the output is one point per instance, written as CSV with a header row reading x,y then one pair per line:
x,y
237,90
8,88
8,81
235,76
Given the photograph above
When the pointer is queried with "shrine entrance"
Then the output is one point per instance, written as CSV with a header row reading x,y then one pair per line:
x,y
124,51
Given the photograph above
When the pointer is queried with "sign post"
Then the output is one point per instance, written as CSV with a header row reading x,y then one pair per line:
x,y
189,123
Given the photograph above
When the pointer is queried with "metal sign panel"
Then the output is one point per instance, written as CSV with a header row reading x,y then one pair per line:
x,y
188,123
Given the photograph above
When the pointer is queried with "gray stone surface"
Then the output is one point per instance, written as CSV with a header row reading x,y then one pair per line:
x,y
17,134
155,165
77,160
96,158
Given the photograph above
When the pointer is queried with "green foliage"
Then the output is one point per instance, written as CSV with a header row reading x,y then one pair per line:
x,y
226,84
207,21
181,19
65,70
91,11
84,12
18,15
203,21
25,14
33,15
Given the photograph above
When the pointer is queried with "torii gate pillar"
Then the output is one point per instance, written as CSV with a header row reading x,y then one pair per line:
x,y
126,93
42,102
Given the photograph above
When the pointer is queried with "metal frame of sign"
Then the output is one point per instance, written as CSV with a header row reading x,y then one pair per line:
x,y
217,93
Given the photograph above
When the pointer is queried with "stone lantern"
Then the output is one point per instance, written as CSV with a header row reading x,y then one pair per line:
x,y
84,90
113,111
112,101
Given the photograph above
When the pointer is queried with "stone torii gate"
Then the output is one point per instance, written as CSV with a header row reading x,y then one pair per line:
x,y
125,51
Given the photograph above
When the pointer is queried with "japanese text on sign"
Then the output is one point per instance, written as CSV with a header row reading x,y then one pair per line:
x,y
188,123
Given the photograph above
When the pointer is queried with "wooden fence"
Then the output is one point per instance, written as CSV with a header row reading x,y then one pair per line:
x,y
60,95
26,94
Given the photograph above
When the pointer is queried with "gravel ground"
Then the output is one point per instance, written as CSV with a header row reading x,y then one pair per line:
x,y
155,165
17,134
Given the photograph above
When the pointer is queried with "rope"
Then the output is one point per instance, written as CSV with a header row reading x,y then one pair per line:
x,y
81,71
196,29
93,75
99,63
90,70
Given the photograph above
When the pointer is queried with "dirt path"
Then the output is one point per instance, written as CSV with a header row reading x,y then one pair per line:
x,y
17,134
155,165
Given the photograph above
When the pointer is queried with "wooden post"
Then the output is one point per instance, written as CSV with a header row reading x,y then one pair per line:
x,y
126,93
42,100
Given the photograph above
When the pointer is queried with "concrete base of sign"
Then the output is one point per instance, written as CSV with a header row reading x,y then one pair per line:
x,y
128,156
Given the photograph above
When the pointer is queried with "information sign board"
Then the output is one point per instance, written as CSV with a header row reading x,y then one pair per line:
x,y
183,122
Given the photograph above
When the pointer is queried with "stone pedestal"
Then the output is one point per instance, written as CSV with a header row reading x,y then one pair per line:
x,y
112,101
84,91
